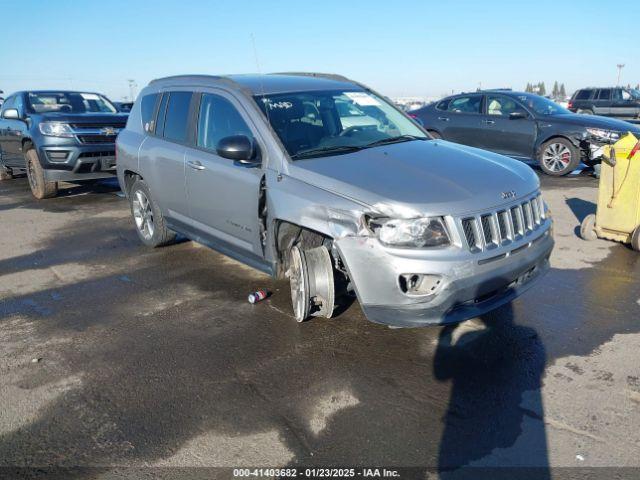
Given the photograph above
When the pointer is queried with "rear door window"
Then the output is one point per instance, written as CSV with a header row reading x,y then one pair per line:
x,y
147,110
176,122
604,94
465,104
218,118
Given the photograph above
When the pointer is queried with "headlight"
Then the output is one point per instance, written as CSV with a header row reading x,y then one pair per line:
x,y
415,232
605,135
56,129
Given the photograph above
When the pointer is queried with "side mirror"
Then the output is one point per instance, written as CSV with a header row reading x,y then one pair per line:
x,y
517,116
416,119
237,147
11,114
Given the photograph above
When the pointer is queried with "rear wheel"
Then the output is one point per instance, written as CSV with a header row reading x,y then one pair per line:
x,y
588,227
559,157
35,173
586,111
635,239
148,219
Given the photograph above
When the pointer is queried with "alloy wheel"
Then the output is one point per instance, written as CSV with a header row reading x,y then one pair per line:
x,y
556,157
143,215
299,286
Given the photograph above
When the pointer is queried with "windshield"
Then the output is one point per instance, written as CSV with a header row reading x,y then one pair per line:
x,y
68,102
312,124
635,93
541,105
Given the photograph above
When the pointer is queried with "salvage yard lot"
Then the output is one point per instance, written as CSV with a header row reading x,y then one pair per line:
x,y
117,355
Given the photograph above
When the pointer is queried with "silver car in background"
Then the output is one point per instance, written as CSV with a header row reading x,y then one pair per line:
x,y
265,169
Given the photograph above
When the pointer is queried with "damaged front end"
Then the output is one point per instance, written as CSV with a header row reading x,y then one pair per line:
x,y
446,269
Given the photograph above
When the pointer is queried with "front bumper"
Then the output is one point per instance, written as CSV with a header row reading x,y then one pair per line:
x,y
78,162
472,284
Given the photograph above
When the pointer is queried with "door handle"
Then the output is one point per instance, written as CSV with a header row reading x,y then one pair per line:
x,y
196,165
444,119
489,122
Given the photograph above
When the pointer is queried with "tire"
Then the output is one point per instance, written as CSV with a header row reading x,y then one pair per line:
x,y
311,279
588,228
635,239
5,173
40,188
558,157
147,217
435,134
587,111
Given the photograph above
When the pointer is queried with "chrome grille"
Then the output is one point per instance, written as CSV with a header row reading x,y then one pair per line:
x,y
487,230
502,225
469,232
493,229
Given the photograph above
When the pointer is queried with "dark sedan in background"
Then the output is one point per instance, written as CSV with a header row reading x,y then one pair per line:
x,y
523,126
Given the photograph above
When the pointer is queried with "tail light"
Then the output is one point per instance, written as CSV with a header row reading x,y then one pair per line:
x,y
570,105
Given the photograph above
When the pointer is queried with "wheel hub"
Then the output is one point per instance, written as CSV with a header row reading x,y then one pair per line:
x,y
556,157
143,215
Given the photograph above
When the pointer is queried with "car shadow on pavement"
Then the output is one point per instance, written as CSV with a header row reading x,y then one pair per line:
x,y
496,378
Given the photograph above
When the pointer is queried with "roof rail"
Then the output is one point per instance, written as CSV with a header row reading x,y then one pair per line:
x,y
331,76
188,77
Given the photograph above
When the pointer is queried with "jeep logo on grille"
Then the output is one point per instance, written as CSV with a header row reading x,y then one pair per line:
x,y
108,131
509,194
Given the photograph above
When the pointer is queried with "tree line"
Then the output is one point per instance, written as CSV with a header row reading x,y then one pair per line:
x,y
558,91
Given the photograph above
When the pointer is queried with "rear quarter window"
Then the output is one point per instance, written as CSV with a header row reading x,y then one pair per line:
x,y
583,94
147,110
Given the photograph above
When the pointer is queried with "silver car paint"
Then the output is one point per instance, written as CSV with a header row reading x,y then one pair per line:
x,y
332,195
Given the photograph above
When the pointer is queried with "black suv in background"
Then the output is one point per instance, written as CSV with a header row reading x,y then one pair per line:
x,y
610,102
58,136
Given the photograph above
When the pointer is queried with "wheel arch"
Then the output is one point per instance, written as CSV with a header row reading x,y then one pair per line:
x,y
551,136
286,234
130,177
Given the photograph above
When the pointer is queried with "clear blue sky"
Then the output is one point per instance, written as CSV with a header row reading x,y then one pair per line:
x,y
425,48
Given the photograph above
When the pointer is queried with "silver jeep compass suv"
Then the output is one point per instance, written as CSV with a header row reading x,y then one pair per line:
x,y
319,179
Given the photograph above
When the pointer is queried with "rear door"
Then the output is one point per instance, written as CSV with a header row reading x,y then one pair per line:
x,y
461,122
162,154
504,134
223,194
602,103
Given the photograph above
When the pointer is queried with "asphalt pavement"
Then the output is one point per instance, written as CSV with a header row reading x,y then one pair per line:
x,y
130,361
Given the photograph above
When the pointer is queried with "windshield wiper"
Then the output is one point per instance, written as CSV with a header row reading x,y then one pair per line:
x,y
326,151
398,139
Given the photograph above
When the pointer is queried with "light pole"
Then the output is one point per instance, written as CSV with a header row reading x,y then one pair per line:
x,y
620,67
132,89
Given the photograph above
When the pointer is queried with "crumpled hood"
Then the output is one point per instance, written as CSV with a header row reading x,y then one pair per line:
x,y
420,178
596,121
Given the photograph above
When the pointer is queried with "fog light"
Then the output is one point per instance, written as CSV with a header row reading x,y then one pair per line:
x,y
57,156
419,284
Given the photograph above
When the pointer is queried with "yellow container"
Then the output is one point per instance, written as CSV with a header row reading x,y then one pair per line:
x,y
618,215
